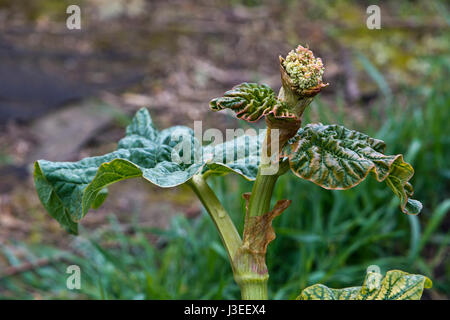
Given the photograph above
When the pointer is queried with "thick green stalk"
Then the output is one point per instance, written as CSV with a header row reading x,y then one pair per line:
x,y
254,284
252,275
259,202
261,195
255,290
227,231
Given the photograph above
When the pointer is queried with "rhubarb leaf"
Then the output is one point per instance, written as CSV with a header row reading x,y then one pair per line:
x,y
337,158
252,101
165,158
396,285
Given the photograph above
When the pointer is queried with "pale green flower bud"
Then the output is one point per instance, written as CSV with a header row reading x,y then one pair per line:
x,y
303,68
301,77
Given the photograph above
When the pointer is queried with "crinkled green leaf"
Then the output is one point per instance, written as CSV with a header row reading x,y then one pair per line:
x,y
396,285
335,157
166,158
251,101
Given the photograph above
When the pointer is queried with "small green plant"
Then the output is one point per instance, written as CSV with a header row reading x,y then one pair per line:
x,y
330,156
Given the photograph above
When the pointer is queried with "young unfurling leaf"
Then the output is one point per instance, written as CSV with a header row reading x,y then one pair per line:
x,y
250,101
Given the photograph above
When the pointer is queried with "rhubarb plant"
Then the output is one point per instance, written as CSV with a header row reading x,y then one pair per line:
x,y
328,155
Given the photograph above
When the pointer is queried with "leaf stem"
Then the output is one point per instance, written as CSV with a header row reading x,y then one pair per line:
x,y
262,190
261,195
227,230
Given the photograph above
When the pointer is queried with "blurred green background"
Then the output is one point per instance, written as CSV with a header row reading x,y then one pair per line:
x,y
67,94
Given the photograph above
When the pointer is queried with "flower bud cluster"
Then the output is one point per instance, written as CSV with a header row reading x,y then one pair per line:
x,y
303,68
